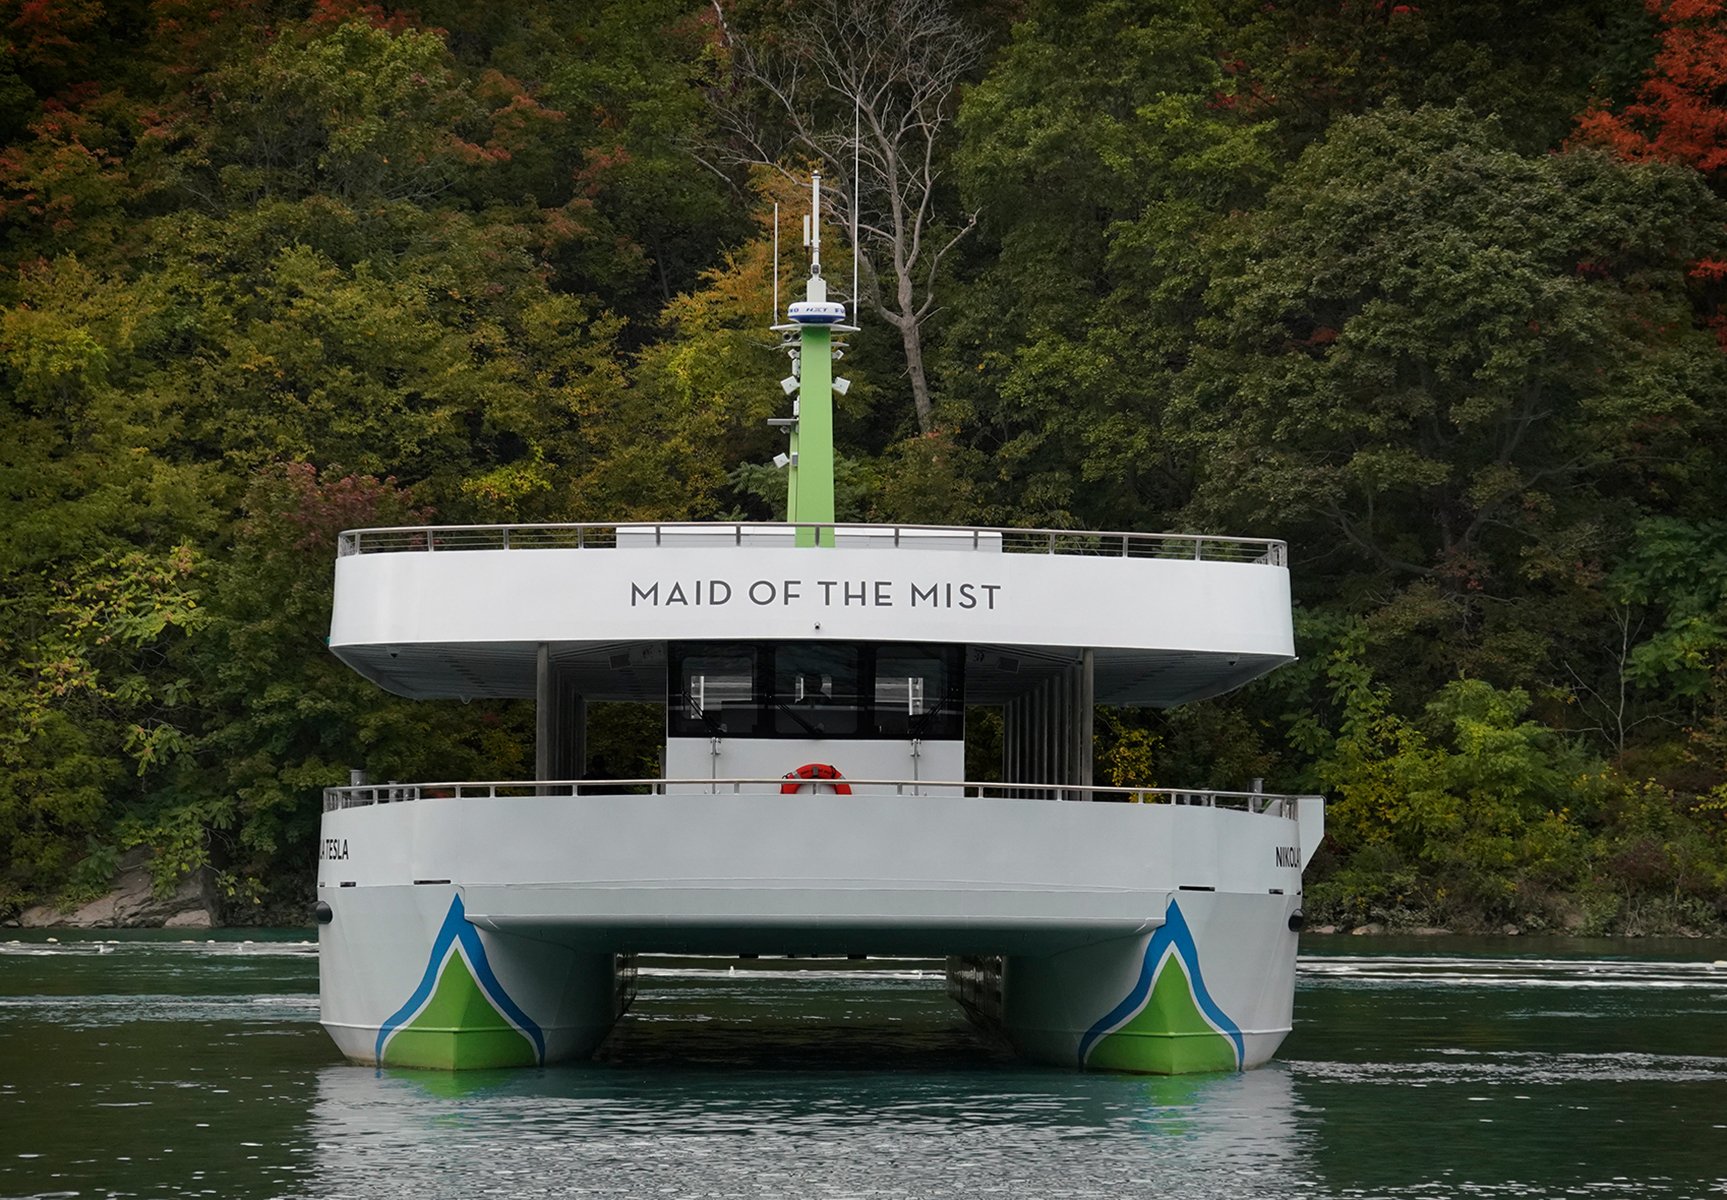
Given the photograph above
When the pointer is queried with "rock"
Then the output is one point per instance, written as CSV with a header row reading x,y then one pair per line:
x,y
1430,931
1511,931
133,903
1324,929
1372,927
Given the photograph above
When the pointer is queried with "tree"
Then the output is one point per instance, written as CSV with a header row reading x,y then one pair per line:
x,y
282,718
1306,63
1680,116
646,218
875,83
1452,373
1101,147
101,581
1468,811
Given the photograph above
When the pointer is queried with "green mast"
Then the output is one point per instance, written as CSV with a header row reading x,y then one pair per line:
x,y
810,459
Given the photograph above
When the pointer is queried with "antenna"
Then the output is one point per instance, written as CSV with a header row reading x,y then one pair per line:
x,y
815,224
776,313
857,159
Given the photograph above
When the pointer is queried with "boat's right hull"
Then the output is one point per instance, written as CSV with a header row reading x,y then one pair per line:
x,y
1210,989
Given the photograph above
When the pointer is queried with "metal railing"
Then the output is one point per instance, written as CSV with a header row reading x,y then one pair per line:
x,y
366,795
1192,546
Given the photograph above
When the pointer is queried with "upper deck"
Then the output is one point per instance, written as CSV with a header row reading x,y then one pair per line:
x,y
464,610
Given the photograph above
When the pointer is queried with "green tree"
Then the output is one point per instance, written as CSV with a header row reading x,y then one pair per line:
x,y
1098,148
1455,370
1468,812
100,578
1306,63
283,718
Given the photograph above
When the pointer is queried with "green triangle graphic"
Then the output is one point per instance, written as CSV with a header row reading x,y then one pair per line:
x,y
1169,1036
459,1028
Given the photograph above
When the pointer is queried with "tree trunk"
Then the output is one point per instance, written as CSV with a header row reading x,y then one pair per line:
x,y
912,338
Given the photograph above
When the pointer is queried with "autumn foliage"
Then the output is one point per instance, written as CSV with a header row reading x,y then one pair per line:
x,y
1680,114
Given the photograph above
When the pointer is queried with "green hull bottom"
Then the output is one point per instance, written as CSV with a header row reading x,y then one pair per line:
x,y
1166,1037
459,1029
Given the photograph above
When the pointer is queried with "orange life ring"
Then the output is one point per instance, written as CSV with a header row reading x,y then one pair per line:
x,y
814,771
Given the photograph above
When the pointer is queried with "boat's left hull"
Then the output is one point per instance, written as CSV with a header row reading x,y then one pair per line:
x,y
408,981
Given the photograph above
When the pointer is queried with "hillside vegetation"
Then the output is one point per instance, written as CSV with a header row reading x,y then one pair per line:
x,y
1432,291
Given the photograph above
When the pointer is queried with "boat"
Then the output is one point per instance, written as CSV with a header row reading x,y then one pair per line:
x,y
816,678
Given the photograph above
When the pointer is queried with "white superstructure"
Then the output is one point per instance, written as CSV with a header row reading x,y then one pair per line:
x,y
1042,874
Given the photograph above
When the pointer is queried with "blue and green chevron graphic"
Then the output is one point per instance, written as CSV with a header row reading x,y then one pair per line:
x,y
1168,1024
459,1017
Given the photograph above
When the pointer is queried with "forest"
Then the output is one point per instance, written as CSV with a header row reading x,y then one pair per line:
x,y
1436,292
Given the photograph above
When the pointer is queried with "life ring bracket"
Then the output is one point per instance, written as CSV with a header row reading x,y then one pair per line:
x,y
814,773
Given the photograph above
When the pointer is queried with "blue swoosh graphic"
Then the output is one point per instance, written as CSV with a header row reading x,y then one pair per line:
x,y
456,929
1173,933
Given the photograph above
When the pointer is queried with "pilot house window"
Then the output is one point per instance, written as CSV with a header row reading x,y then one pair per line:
x,y
719,693
815,690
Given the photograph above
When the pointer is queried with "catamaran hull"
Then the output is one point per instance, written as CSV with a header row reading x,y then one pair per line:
x,y
405,980
1210,989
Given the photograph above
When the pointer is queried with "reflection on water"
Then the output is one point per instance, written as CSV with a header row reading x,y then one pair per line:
x,y
156,1067
777,1135
804,1085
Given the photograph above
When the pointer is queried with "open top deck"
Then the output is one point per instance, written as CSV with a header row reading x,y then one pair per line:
x,y
479,610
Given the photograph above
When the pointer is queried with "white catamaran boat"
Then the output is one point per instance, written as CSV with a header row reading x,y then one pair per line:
x,y
815,678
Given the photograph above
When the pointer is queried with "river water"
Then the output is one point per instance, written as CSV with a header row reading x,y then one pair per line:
x,y
156,1067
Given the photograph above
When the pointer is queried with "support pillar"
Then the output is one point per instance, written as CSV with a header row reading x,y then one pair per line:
x,y
1086,719
560,722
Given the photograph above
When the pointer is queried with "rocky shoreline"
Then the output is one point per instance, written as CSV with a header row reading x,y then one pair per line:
x,y
132,902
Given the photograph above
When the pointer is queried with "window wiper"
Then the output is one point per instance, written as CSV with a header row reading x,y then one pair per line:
x,y
815,730
707,718
921,723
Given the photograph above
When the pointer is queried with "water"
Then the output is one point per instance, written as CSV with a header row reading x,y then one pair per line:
x,y
152,1067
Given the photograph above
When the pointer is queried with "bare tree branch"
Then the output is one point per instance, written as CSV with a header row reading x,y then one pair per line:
x,y
871,85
